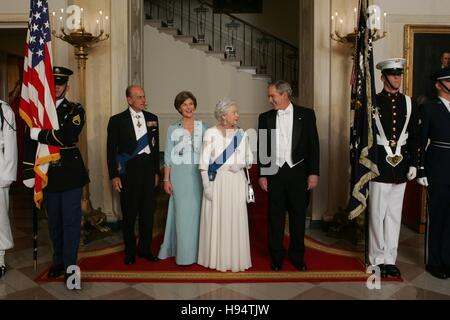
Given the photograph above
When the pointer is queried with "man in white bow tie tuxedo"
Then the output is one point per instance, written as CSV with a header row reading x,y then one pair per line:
x,y
133,164
288,163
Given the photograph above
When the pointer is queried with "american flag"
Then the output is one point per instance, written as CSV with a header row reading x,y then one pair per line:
x,y
37,104
363,155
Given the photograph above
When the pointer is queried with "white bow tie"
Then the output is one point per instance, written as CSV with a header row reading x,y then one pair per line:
x,y
284,112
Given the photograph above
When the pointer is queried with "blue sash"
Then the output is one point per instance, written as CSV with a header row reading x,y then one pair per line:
x,y
124,157
215,166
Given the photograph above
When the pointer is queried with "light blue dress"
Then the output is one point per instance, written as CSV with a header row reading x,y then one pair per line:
x,y
181,155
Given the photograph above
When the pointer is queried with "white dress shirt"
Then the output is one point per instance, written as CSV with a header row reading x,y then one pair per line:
x,y
140,127
285,120
58,102
446,103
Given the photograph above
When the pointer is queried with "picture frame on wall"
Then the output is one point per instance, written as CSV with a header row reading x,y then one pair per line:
x,y
423,47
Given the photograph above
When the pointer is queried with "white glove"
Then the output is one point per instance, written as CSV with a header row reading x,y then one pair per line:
x,y
34,133
423,181
29,183
412,173
236,167
207,185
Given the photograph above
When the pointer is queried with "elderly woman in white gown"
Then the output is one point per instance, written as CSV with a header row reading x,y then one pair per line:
x,y
8,170
224,237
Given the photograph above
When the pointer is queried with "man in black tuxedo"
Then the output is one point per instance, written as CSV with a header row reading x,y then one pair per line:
x,y
133,164
288,163
434,173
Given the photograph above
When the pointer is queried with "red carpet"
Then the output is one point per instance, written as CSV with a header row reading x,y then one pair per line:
x,y
325,263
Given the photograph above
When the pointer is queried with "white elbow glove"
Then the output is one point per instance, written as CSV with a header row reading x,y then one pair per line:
x,y
207,185
412,173
423,181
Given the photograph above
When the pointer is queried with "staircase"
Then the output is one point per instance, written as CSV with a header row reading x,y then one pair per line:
x,y
249,49
207,49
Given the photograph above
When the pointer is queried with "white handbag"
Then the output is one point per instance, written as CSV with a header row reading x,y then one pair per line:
x,y
250,192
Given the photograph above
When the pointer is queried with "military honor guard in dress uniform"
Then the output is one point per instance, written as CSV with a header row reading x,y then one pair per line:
x,y
396,120
434,173
133,165
8,171
66,178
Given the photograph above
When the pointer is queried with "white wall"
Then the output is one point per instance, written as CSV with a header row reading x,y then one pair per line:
x,y
172,66
15,7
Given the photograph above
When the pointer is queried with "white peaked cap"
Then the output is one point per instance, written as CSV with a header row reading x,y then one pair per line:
x,y
394,63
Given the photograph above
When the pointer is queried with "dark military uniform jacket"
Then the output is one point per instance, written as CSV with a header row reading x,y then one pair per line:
x,y
122,139
392,111
69,172
435,126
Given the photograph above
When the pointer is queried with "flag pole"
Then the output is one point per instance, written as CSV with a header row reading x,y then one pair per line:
x,y
366,235
35,236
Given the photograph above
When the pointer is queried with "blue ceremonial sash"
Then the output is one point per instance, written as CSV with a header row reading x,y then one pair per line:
x,y
215,166
124,157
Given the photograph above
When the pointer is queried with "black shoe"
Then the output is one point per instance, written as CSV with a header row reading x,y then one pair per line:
x,y
392,271
383,270
437,272
447,270
2,271
298,265
276,266
55,271
149,257
128,260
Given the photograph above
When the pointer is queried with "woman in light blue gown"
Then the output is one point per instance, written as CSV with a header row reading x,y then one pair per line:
x,y
183,183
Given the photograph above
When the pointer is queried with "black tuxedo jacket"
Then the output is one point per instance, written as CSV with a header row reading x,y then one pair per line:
x,y
305,139
122,139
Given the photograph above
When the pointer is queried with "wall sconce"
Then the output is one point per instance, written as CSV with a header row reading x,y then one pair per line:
x,y
374,22
74,21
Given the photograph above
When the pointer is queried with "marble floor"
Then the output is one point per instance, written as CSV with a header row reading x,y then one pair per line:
x,y
18,282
